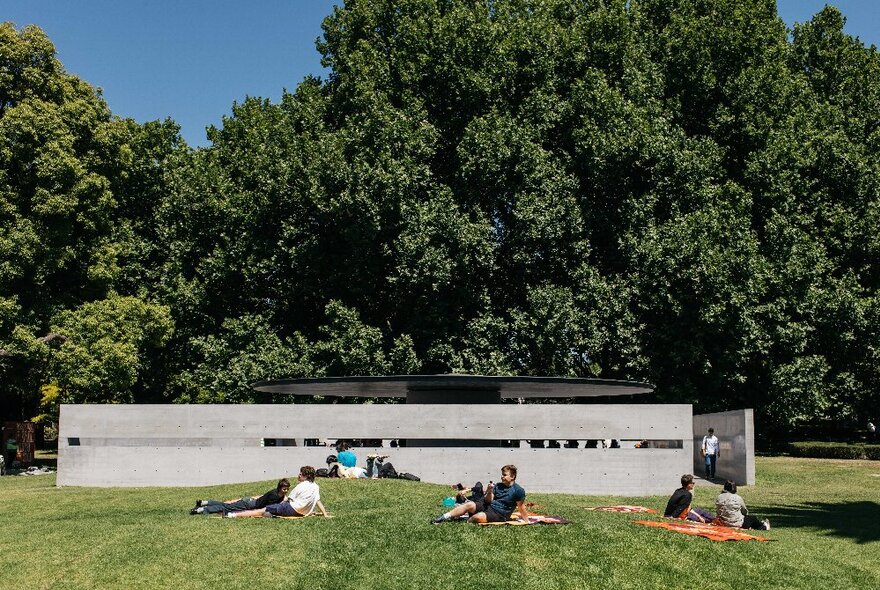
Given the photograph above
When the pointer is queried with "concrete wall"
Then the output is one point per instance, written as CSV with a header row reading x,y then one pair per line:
x,y
736,433
194,445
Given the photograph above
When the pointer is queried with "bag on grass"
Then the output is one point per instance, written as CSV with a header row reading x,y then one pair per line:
x,y
387,470
409,476
322,472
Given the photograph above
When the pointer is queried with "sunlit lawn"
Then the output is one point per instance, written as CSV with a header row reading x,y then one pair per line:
x,y
825,515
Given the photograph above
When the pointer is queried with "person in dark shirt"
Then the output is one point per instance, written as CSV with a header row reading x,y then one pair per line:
x,y
496,505
679,505
217,507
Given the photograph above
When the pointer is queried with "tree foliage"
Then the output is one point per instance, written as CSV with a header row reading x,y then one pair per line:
x,y
75,231
678,191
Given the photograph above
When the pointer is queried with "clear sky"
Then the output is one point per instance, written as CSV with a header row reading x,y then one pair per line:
x,y
190,59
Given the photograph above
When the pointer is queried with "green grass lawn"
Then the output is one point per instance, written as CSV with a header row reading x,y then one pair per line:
x,y
825,516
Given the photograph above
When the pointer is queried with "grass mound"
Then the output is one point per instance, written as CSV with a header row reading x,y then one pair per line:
x,y
824,516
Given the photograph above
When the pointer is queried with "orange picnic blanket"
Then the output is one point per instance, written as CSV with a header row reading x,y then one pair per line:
x,y
533,519
710,531
624,508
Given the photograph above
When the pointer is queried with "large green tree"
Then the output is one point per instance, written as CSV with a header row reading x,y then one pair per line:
x,y
679,191
77,192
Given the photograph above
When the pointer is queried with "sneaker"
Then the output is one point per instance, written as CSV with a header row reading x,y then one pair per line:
x,y
194,511
229,515
766,524
438,520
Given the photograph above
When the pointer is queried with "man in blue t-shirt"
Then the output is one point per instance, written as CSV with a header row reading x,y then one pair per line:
x,y
498,503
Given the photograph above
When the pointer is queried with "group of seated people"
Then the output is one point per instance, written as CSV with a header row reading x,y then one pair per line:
x,y
730,507
495,504
344,464
282,501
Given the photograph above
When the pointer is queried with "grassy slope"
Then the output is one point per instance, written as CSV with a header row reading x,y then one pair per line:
x,y
825,514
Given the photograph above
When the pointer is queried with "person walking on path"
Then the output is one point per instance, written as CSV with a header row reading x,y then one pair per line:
x,y
711,451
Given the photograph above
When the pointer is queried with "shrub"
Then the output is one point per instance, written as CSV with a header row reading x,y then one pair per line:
x,y
834,450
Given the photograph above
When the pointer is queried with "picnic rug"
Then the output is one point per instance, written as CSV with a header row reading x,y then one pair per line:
x,y
710,531
269,517
533,519
624,508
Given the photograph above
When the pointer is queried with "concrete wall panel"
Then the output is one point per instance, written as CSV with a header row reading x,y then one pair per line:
x,y
192,445
736,434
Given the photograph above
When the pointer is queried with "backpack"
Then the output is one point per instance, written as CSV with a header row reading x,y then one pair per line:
x,y
409,476
322,472
387,470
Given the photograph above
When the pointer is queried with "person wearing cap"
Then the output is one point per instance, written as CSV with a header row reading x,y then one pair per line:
x,y
711,450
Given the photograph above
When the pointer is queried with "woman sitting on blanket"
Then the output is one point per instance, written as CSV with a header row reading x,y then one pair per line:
x,y
302,501
679,505
732,510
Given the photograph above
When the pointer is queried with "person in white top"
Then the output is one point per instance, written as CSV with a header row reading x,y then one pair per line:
x,y
711,451
301,501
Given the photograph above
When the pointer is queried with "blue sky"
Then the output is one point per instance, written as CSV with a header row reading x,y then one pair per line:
x,y
190,59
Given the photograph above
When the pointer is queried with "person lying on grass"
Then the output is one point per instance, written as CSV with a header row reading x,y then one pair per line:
x,y
496,505
337,468
218,507
679,505
732,510
302,501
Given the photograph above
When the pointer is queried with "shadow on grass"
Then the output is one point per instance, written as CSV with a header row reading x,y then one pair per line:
x,y
850,520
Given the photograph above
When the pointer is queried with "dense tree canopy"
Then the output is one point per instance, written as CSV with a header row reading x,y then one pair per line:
x,y
677,191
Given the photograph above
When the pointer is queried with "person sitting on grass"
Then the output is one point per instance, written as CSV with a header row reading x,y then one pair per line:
x,y
302,501
732,510
679,505
496,505
345,455
218,507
